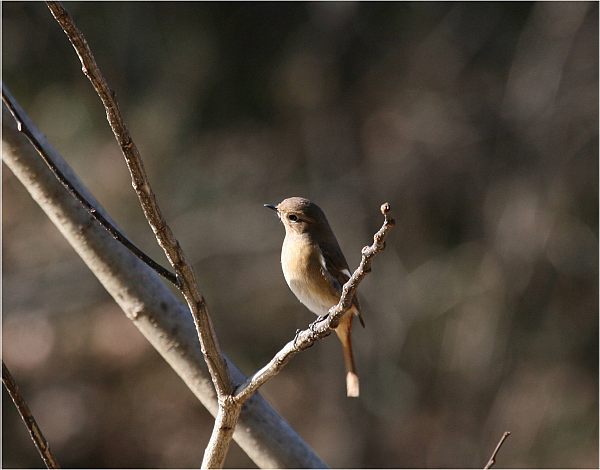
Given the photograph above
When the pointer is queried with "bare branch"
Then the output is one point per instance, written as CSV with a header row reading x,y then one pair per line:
x,y
308,337
35,432
151,306
165,237
492,460
16,112
222,433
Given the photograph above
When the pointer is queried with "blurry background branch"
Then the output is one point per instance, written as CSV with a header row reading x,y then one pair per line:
x,y
492,461
40,442
138,290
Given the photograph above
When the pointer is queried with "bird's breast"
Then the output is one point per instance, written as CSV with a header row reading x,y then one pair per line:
x,y
302,271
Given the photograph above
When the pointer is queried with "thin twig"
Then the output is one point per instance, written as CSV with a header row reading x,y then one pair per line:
x,y
492,460
186,280
308,337
35,432
143,190
16,112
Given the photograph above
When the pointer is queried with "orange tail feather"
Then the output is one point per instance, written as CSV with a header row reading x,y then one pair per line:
x,y
344,333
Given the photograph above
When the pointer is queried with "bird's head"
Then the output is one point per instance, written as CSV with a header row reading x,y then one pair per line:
x,y
299,215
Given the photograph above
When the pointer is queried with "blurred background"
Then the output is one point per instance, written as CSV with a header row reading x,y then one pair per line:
x,y
478,122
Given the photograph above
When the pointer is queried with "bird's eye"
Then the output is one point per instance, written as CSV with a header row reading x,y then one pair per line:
x,y
293,217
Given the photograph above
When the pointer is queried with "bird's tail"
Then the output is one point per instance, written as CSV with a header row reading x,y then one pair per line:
x,y
344,333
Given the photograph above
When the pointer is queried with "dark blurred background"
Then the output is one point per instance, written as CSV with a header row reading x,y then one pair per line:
x,y
478,122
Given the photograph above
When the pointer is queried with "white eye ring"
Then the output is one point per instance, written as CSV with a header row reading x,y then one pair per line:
x,y
293,217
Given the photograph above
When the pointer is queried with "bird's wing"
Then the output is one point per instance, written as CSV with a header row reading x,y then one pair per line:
x,y
335,269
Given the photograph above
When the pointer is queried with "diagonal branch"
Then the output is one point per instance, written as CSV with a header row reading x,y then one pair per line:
x,y
141,185
492,460
35,432
17,113
308,337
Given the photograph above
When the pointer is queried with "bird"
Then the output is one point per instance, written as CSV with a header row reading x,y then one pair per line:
x,y
315,270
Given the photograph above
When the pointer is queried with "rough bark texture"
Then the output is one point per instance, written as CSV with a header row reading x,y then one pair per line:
x,y
225,423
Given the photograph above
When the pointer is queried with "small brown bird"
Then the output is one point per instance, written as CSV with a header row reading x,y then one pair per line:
x,y
315,269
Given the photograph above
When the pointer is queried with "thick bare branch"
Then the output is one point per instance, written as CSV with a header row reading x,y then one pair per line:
x,y
492,460
222,433
308,337
164,235
35,432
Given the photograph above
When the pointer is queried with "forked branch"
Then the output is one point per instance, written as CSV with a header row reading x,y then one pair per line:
x,y
151,306
229,403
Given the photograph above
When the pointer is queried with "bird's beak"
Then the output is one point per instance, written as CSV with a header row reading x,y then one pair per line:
x,y
271,206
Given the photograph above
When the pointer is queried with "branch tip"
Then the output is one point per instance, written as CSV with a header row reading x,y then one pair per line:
x,y
492,459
